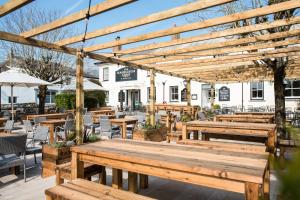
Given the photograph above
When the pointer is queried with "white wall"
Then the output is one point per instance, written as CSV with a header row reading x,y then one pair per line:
x,y
23,94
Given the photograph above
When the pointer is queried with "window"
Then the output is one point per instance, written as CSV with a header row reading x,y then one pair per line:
x,y
148,93
50,97
174,93
257,90
184,95
105,74
14,98
292,89
106,96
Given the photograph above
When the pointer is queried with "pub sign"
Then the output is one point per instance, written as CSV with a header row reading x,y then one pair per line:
x,y
224,94
126,74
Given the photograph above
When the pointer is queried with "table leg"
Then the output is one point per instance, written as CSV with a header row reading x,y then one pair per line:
x,y
204,136
132,182
124,127
51,134
267,184
195,135
58,179
117,178
77,167
143,181
102,176
184,132
252,191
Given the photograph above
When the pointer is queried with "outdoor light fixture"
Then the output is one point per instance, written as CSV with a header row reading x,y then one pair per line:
x,y
184,83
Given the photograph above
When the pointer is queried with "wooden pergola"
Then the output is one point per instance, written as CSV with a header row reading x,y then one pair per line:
x,y
207,60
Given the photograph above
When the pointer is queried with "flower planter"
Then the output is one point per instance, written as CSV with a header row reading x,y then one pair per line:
x,y
178,126
156,135
52,157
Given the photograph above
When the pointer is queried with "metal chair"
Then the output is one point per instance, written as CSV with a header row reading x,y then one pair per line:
x,y
13,151
106,129
88,123
8,127
62,132
28,128
40,135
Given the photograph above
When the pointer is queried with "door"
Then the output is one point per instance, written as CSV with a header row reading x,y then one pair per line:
x,y
135,99
205,101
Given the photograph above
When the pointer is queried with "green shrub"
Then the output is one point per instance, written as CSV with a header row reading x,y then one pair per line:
x,y
65,100
94,99
216,106
185,118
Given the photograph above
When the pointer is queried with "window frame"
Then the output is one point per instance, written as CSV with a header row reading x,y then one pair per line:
x,y
148,94
103,74
170,94
106,96
251,91
292,88
15,99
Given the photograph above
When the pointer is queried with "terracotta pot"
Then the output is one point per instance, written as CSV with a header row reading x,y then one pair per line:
x,y
156,135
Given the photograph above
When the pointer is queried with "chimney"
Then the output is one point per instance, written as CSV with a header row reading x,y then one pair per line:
x,y
175,36
119,47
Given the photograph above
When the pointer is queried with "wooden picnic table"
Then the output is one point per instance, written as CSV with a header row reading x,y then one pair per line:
x,y
97,116
227,169
102,112
2,121
245,118
48,116
255,132
52,124
123,123
255,113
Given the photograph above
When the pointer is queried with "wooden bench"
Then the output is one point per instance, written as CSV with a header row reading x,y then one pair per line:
x,y
174,136
63,171
80,189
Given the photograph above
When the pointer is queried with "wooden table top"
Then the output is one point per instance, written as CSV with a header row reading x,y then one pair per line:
x,y
241,125
255,113
246,116
47,115
3,119
53,121
225,163
126,120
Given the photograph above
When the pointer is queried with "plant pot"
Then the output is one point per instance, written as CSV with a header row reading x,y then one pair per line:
x,y
156,135
178,126
52,157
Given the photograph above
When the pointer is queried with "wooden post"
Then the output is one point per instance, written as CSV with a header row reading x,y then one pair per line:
x,y
79,97
189,97
152,99
77,167
117,178
252,191
132,182
143,181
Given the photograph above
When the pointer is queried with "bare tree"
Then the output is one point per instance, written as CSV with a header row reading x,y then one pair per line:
x,y
278,65
44,64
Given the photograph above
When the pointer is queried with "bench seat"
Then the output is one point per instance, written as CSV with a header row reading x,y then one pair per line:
x,y
80,189
174,136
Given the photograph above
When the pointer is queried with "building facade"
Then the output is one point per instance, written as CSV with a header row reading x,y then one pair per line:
x,y
135,84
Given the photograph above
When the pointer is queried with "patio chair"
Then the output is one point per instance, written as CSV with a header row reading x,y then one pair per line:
x,y
201,116
62,132
13,150
28,128
40,135
8,127
106,129
88,123
38,120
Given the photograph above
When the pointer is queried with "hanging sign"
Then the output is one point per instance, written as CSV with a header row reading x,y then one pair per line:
x,y
224,94
126,74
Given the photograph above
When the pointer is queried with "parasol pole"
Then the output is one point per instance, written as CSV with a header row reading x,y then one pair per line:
x,y
12,101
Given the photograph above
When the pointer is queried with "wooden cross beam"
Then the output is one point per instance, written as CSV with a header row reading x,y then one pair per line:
x,y
191,7
95,10
213,35
12,5
199,25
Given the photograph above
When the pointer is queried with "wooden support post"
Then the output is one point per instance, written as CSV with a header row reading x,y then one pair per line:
x,y
132,182
267,183
117,178
102,176
188,96
58,179
77,167
143,181
79,98
152,97
184,132
252,191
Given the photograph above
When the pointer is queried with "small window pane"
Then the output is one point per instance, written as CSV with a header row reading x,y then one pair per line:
x,y
296,92
288,92
296,84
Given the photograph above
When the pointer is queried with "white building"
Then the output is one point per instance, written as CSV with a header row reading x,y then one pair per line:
x,y
136,83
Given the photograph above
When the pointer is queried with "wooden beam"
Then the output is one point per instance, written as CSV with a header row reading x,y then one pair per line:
x,y
189,96
79,98
72,51
174,12
225,50
12,5
213,35
202,24
152,98
215,45
282,52
95,10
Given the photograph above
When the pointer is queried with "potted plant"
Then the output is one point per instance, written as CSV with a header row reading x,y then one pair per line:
x,y
183,118
147,132
59,152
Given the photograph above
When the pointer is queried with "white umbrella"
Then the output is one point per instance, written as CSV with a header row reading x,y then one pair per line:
x,y
15,77
87,86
